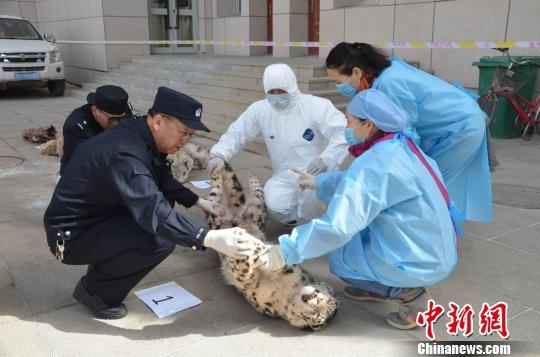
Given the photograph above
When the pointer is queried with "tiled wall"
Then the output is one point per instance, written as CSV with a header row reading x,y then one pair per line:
x,y
76,20
250,25
125,20
429,20
290,23
94,20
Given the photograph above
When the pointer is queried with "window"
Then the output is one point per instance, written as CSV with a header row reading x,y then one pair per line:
x,y
184,4
227,8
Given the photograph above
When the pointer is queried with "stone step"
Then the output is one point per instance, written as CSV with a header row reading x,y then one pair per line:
x,y
218,116
141,105
211,95
254,64
236,78
225,86
248,91
148,90
215,119
224,103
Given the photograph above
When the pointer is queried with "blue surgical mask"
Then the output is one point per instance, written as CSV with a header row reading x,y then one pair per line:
x,y
279,101
346,89
351,138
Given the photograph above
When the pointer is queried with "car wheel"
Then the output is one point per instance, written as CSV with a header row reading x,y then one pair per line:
x,y
57,88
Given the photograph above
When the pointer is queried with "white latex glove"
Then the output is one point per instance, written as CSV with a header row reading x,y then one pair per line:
x,y
316,167
216,163
235,242
208,206
273,259
305,180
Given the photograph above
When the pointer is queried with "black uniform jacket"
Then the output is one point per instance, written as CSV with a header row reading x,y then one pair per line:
x,y
120,172
79,126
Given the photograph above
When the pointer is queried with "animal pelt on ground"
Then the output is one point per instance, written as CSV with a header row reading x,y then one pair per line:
x,y
40,135
191,156
290,293
53,147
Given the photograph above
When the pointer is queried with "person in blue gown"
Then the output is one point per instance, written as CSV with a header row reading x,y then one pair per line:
x,y
390,229
444,121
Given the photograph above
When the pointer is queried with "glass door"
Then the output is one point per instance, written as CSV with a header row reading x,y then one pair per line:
x,y
174,20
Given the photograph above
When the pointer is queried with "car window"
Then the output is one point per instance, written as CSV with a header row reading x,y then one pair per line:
x,y
18,29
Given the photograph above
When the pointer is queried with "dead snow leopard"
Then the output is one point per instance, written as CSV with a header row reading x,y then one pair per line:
x,y
290,293
40,135
53,147
191,156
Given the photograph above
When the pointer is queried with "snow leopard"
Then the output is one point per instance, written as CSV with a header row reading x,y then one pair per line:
x,y
53,147
190,156
40,135
291,292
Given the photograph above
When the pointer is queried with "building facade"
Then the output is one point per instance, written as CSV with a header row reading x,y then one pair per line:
x,y
288,20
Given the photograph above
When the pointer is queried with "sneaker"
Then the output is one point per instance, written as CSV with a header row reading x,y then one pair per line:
x,y
412,302
96,305
362,295
404,319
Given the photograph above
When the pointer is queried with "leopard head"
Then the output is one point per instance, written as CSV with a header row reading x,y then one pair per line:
x,y
313,307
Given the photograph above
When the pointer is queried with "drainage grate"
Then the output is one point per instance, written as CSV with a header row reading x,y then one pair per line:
x,y
516,195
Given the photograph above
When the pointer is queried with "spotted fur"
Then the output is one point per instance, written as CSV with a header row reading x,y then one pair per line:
x,y
40,135
198,153
290,293
53,147
191,156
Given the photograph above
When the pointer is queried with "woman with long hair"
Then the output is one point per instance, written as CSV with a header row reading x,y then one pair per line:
x,y
447,124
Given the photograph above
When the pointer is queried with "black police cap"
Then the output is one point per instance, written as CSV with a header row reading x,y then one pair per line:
x,y
110,99
180,106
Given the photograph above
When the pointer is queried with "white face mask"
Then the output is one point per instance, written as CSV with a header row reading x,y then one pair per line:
x,y
279,101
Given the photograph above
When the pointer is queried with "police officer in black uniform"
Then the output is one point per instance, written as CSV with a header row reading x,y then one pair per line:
x,y
106,107
111,207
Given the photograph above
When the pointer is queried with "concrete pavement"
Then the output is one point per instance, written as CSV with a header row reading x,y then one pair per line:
x,y
38,316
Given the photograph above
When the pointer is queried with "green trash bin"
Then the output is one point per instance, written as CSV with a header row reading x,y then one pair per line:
x,y
502,124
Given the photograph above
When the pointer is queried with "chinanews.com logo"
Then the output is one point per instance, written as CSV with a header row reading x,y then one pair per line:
x,y
492,320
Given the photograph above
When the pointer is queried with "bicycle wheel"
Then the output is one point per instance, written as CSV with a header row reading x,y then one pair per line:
x,y
520,124
526,128
487,104
537,117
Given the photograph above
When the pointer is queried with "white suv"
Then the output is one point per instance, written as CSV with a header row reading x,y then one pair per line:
x,y
27,59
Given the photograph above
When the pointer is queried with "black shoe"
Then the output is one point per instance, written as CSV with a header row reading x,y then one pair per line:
x,y
291,224
96,305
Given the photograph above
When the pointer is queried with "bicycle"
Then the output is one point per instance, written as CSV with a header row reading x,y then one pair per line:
x,y
506,84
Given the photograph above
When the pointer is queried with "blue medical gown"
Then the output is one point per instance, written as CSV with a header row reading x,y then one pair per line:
x,y
386,221
449,126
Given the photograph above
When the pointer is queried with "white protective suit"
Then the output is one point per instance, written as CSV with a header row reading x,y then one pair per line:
x,y
309,128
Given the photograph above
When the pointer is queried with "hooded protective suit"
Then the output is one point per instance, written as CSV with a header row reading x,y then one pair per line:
x,y
387,220
308,128
450,127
